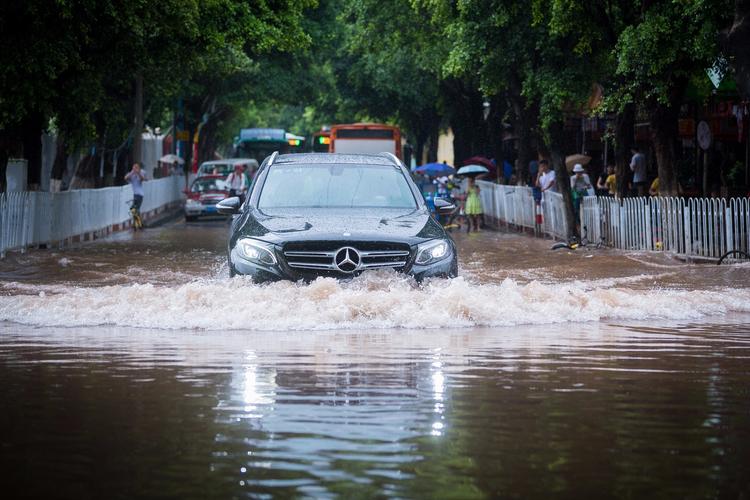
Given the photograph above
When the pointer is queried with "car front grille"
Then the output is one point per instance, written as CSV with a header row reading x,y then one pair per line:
x,y
322,258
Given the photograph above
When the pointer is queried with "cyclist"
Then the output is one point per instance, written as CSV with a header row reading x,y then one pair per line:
x,y
136,177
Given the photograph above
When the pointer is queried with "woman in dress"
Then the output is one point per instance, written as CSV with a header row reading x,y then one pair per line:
x,y
473,205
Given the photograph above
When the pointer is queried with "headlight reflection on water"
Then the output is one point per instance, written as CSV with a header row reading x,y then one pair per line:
x,y
257,389
438,391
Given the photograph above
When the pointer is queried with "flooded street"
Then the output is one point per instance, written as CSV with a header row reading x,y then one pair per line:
x,y
136,367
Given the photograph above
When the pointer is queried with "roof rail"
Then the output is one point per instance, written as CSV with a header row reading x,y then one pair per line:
x,y
394,158
273,158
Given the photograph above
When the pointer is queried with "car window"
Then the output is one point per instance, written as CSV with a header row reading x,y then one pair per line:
x,y
201,185
217,168
336,185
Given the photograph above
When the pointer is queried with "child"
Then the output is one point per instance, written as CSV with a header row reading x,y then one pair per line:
x,y
473,205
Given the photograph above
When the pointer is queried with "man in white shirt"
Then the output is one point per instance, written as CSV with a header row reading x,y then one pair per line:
x,y
638,166
546,179
238,183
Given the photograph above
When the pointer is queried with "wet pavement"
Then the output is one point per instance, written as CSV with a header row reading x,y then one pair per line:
x,y
134,367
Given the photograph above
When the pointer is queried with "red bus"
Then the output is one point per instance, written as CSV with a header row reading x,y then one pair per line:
x,y
366,138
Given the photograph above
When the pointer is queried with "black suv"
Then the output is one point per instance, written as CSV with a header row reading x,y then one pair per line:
x,y
325,214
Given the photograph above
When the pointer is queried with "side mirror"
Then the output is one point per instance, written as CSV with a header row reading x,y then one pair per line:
x,y
186,190
443,206
229,206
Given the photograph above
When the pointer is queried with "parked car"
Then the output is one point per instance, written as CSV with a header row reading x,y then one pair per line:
x,y
325,214
225,167
204,193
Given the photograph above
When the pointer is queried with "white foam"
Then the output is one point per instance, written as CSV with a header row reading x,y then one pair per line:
x,y
374,300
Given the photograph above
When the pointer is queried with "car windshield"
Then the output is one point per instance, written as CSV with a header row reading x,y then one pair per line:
x,y
201,185
217,168
336,186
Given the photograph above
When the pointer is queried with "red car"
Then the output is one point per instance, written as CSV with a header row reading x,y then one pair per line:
x,y
203,195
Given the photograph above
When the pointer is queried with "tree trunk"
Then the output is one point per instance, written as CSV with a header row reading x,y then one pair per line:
x,y
6,150
462,147
32,149
138,119
189,149
432,150
624,137
466,120
664,133
418,151
522,126
60,164
737,44
555,146
494,126
524,117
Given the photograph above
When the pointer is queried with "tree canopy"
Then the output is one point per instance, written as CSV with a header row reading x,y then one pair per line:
x,y
424,65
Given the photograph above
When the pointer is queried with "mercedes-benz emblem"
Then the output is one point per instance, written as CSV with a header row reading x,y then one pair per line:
x,y
347,259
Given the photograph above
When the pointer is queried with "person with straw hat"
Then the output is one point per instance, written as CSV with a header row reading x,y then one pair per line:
x,y
580,184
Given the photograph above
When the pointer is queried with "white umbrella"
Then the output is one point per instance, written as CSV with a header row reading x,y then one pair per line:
x,y
472,170
170,158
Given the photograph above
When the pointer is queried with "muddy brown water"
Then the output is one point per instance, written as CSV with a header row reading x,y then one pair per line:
x,y
134,368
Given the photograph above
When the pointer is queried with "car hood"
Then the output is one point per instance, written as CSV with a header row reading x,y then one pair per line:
x,y
281,225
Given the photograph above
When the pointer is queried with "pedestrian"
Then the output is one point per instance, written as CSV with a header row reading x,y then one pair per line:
x,y
546,178
136,177
654,189
638,167
607,184
238,184
473,208
580,186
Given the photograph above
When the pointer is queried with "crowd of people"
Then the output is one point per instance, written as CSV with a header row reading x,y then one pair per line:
x,y
469,210
606,184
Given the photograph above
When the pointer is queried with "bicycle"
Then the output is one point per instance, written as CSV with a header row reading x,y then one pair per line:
x,y
583,242
135,216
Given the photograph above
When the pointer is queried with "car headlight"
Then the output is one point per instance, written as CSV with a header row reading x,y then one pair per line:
x,y
256,251
432,251
191,202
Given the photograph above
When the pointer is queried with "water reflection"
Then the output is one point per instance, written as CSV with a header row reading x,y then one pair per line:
x,y
595,410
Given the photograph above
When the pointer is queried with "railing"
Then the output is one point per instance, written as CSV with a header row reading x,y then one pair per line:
x,y
35,218
699,227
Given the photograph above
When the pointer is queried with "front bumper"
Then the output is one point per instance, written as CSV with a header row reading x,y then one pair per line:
x,y
198,210
445,268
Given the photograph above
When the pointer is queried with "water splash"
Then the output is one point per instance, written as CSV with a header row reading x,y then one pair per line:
x,y
380,299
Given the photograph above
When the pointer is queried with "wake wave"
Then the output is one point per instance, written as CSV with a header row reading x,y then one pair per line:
x,y
379,299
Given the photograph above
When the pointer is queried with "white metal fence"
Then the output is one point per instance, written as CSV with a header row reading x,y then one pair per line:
x,y
698,227
34,217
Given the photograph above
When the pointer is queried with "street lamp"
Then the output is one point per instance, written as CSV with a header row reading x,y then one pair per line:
x,y
486,109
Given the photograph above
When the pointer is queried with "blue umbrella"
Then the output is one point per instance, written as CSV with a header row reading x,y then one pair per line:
x,y
472,170
434,169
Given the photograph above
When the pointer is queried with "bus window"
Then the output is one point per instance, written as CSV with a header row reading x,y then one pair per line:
x,y
365,138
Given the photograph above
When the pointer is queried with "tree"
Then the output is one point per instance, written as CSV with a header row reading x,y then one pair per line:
x,y
737,45
657,55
